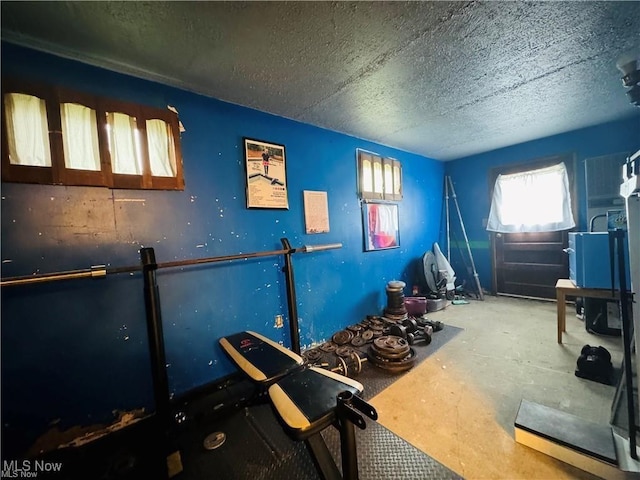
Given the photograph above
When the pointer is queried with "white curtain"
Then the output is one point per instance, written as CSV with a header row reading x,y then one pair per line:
x,y
80,137
28,130
532,201
367,176
123,144
160,149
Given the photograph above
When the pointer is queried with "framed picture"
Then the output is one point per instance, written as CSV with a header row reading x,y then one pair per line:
x,y
380,222
266,171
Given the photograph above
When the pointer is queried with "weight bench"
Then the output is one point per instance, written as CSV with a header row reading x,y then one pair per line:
x,y
305,399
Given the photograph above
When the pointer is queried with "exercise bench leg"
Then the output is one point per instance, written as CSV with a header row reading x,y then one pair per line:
x,y
324,462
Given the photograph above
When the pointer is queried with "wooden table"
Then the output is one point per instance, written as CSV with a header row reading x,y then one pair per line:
x,y
564,288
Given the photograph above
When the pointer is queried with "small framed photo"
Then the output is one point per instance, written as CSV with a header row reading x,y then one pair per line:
x,y
266,174
381,229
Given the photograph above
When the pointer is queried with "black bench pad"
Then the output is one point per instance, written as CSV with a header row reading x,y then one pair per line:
x,y
306,400
263,360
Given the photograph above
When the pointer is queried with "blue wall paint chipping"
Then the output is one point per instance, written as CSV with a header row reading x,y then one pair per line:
x,y
74,351
470,176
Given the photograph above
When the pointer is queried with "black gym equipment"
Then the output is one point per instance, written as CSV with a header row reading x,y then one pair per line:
x,y
154,324
395,309
162,420
204,449
392,353
423,322
306,399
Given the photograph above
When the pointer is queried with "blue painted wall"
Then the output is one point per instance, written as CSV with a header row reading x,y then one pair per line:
x,y
470,176
72,352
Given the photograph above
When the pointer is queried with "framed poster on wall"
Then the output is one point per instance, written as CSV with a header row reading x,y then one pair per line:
x,y
266,175
381,229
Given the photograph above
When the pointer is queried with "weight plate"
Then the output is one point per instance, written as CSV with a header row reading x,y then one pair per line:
x,y
367,335
342,366
398,331
344,351
357,363
313,355
328,347
410,324
358,341
214,440
391,344
387,356
396,366
342,337
354,328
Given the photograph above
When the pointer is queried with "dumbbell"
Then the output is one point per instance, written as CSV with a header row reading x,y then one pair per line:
x,y
410,324
356,365
424,328
412,333
342,367
437,325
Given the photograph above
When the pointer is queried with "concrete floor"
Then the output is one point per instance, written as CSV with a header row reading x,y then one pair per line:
x,y
459,405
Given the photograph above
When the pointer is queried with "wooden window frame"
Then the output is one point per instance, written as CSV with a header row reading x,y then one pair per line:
x,y
58,173
392,163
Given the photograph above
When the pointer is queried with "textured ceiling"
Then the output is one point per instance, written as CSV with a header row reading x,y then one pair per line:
x,y
442,79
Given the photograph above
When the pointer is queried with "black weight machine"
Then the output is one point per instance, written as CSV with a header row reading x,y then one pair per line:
x,y
306,399
324,399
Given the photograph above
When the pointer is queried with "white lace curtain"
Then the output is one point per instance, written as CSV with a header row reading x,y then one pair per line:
x,y
533,201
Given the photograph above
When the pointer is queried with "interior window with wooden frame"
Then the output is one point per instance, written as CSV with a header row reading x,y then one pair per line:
x,y
53,135
379,178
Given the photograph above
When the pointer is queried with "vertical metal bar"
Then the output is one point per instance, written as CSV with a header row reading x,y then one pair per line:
x,y
292,301
466,239
446,206
322,459
348,450
626,339
154,332
346,427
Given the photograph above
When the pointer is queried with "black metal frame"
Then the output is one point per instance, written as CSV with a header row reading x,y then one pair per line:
x,y
148,266
616,252
348,405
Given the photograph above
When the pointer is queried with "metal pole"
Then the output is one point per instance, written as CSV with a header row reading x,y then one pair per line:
x,y
446,206
292,301
100,271
96,271
157,354
155,334
347,431
466,239
625,299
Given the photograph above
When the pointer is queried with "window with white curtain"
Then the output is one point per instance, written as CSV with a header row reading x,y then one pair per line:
x,y
532,201
80,137
27,130
83,139
161,158
124,145
379,178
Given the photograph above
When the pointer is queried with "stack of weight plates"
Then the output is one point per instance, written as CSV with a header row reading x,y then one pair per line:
x,y
392,353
